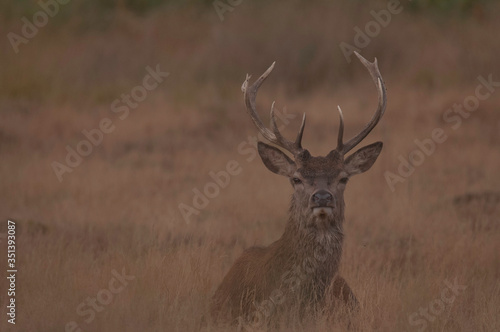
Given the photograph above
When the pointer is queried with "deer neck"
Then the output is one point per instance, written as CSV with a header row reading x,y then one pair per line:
x,y
315,241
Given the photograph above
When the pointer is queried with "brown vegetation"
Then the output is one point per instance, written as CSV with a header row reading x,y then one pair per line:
x,y
119,208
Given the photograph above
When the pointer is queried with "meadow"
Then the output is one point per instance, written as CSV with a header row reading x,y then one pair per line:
x,y
108,225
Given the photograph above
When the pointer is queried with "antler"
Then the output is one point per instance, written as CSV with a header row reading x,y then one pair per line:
x,y
274,136
382,103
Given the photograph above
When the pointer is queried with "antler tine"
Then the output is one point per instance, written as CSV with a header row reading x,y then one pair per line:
x,y
293,147
250,94
340,144
274,126
382,103
274,136
298,140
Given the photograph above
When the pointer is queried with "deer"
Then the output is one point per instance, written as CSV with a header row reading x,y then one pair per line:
x,y
300,269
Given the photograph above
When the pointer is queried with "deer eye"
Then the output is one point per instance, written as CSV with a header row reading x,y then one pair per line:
x,y
343,180
296,181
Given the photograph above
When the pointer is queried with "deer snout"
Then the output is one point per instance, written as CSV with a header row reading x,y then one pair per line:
x,y
322,198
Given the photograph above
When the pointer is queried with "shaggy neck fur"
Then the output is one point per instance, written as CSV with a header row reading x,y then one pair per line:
x,y
316,244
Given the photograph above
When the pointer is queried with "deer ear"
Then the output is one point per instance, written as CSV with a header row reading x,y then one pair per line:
x,y
275,160
361,160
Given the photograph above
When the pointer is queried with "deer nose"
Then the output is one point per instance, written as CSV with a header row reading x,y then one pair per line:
x,y
322,197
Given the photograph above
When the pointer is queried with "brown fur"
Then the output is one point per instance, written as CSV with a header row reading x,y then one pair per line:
x,y
302,266
298,273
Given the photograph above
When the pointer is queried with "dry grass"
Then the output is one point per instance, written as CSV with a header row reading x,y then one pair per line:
x,y
119,208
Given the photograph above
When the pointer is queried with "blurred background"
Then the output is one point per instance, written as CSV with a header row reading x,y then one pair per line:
x,y
165,78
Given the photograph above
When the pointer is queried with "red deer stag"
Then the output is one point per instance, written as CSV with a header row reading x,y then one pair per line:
x,y
300,269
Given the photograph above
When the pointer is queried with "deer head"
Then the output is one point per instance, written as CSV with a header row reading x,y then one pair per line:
x,y
318,182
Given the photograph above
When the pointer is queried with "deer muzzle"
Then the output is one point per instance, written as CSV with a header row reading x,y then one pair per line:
x,y
322,203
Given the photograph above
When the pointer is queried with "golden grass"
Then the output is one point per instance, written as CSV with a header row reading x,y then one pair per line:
x,y
119,208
